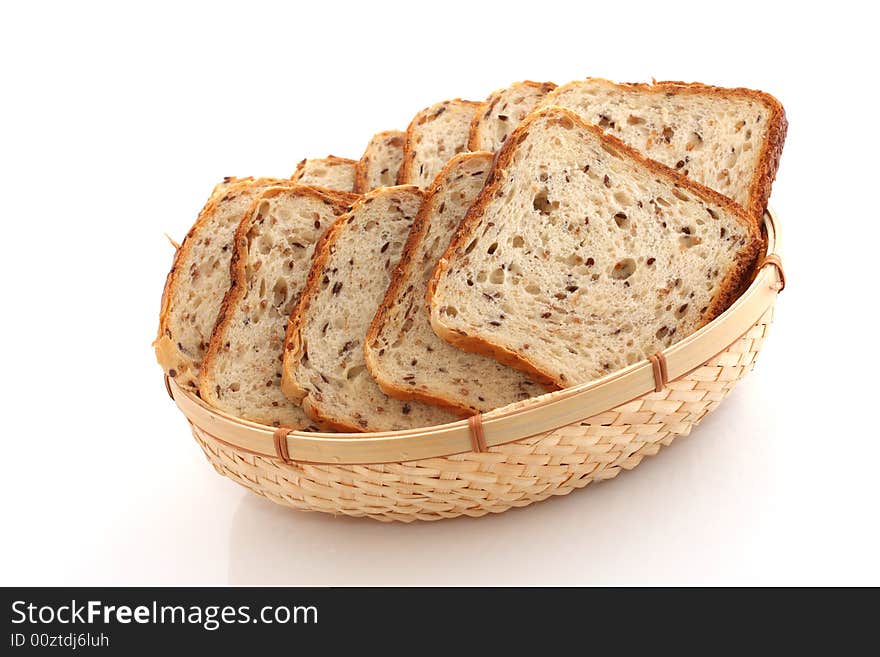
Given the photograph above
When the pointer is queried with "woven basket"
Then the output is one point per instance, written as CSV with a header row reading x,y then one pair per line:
x,y
509,457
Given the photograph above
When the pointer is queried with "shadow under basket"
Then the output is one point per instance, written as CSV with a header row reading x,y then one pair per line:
x,y
512,456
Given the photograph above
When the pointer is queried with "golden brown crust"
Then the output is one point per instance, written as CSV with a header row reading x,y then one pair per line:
x,y
727,289
361,186
172,360
404,176
330,161
293,339
777,128
490,103
340,201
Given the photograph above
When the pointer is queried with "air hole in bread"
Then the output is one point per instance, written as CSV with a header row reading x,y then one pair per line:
x,y
354,372
492,248
279,293
687,241
623,198
518,241
623,269
470,247
451,311
680,311
542,204
635,120
662,202
694,141
497,276
621,220
668,134
531,288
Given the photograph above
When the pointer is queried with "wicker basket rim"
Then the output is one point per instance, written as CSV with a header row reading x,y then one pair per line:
x,y
503,425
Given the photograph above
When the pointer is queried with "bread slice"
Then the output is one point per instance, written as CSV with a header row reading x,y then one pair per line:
x,y
324,355
380,163
503,111
402,352
434,135
581,256
241,373
727,139
329,172
199,277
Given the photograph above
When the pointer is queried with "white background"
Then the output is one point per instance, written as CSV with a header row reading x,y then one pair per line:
x,y
117,122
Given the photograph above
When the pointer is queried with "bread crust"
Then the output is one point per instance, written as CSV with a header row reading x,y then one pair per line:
x,y
490,103
771,151
172,360
340,201
293,339
360,173
404,176
330,160
728,288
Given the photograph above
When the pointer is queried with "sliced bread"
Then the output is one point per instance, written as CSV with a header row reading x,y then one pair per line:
x,y
324,354
380,163
503,111
329,172
241,372
582,256
433,136
199,277
727,139
402,352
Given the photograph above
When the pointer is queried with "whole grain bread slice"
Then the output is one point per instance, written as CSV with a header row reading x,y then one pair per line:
x,y
727,139
331,172
324,355
199,277
588,255
503,111
433,136
403,354
379,166
241,373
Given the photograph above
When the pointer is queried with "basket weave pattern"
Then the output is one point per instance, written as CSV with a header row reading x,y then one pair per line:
x,y
511,475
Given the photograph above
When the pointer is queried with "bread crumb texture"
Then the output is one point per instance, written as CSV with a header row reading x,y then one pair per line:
x,y
403,353
582,257
324,356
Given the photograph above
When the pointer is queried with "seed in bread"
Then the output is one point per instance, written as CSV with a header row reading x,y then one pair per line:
x,y
434,135
503,111
324,355
727,139
331,172
241,373
402,352
379,166
199,277
581,256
